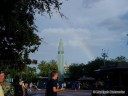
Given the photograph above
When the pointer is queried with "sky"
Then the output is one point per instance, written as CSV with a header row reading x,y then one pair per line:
x,y
89,27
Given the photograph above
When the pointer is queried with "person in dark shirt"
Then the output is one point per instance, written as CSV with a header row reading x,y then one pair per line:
x,y
18,89
51,89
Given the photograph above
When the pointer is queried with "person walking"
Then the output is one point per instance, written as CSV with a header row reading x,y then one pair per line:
x,y
1,80
26,88
51,88
18,87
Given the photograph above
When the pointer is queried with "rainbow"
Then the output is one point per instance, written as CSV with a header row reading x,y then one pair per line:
x,y
84,47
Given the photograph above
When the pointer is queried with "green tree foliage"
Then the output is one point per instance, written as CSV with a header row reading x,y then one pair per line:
x,y
78,70
28,74
94,65
18,32
47,67
44,68
53,65
121,59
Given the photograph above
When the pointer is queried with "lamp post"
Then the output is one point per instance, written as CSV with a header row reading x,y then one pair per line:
x,y
104,54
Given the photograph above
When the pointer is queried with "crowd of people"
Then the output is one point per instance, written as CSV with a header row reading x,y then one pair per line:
x,y
17,88
21,88
76,85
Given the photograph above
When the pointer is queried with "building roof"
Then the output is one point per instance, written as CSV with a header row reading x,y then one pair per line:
x,y
117,66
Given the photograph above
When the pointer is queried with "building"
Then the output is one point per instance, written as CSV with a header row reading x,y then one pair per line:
x,y
114,76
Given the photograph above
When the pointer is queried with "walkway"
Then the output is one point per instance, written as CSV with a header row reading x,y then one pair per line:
x,y
67,92
75,93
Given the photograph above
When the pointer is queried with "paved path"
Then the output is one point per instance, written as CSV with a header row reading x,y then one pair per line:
x,y
67,92
75,93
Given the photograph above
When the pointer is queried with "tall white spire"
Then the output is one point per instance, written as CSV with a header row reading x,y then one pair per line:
x,y
61,61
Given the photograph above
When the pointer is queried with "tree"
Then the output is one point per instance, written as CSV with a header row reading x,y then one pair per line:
x,y
76,70
44,68
94,65
121,59
28,74
53,65
47,67
18,32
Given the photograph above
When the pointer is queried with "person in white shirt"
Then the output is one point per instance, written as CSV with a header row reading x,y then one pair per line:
x,y
1,80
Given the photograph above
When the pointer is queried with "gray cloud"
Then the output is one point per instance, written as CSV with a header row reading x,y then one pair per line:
x,y
90,3
102,24
119,24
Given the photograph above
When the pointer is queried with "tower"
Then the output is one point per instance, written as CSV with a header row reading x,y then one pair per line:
x,y
61,61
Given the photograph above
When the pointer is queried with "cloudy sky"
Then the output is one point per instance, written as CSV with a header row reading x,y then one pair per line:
x,y
90,26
